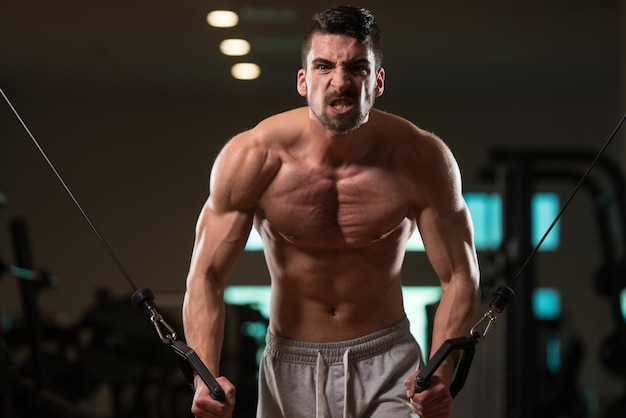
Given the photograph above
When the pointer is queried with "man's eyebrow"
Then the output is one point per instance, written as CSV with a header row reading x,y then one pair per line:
x,y
321,60
357,61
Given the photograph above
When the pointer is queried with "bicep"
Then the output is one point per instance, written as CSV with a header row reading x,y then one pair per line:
x,y
220,239
448,240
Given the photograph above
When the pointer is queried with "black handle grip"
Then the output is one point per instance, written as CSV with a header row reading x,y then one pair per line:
x,y
468,345
193,362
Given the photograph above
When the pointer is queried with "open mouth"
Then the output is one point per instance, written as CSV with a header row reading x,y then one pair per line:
x,y
341,104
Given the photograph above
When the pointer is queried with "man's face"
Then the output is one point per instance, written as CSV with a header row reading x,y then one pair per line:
x,y
340,82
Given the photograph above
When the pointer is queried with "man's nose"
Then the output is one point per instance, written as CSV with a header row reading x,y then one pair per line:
x,y
341,79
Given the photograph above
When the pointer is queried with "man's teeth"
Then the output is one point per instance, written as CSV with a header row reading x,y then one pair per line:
x,y
340,105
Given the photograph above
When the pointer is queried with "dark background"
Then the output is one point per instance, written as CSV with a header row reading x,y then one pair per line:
x,y
133,100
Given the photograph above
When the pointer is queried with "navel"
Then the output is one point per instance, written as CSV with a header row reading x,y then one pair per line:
x,y
381,237
289,237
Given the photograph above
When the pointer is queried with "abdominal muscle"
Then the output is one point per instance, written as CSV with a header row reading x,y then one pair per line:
x,y
335,295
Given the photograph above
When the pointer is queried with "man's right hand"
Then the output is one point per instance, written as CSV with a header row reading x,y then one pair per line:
x,y
204,406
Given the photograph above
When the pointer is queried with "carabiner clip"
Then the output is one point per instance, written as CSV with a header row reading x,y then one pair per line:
x,y
501,298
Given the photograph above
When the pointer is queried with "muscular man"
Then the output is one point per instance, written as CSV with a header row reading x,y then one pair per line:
x,y
335,189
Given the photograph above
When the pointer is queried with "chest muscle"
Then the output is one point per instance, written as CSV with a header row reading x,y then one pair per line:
x,y
345,209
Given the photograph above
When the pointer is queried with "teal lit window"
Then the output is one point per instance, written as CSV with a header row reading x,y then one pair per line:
x,y
546,303
486,212
545,208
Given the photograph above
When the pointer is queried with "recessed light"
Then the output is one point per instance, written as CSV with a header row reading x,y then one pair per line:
x,y
245,71
235,47
222,18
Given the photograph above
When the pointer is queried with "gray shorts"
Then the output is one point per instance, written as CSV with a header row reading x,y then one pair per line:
x,y
358,378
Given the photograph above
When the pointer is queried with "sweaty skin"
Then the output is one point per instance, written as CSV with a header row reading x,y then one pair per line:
x,y
335,189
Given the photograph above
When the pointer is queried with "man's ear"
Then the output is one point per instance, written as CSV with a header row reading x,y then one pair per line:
x,y
380,82
301,86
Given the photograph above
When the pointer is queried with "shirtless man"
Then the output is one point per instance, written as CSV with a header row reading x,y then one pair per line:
x,y
335,189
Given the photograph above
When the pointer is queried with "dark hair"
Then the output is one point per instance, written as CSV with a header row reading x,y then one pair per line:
x,y
356,22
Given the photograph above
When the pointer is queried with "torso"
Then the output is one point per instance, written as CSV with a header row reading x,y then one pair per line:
x,y
334,240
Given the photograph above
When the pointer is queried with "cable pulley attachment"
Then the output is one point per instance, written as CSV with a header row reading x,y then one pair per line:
x,y
501,298
188,360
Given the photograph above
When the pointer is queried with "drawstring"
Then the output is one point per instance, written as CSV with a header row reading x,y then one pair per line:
x,y
346,378
319,386
320,383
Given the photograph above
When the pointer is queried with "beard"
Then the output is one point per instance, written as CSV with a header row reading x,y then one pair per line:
x,y
348,122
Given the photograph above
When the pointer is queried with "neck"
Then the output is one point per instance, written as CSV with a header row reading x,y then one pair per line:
x,y
337,149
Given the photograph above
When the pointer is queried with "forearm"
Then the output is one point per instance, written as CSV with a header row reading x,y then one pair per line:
x,y
220,240
456,314
203,319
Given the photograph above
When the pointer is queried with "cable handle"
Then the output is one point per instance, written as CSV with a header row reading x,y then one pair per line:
x,y
467,345
189,361
501,298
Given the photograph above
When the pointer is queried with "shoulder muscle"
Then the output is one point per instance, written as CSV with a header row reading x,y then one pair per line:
x,y
242,171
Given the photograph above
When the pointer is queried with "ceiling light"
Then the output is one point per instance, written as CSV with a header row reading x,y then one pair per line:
x,y
235,47
222,18
245,71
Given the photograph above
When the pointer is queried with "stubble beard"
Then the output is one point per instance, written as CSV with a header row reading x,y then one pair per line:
x,y
346,123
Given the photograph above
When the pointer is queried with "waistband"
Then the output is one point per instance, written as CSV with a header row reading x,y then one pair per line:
x,y
360,348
